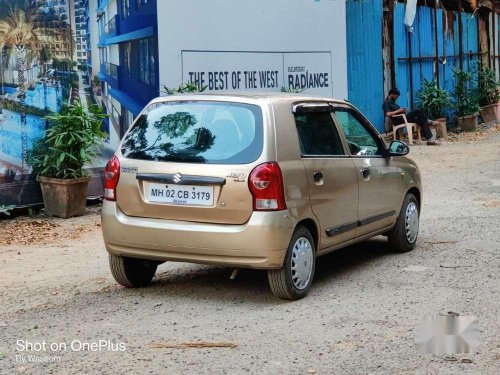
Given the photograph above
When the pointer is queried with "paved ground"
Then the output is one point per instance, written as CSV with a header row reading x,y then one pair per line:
x,y
360,317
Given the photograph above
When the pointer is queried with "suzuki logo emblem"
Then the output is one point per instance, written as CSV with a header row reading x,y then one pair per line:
x,y
177,178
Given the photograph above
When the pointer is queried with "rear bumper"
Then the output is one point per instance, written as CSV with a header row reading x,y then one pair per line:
x,y
260,243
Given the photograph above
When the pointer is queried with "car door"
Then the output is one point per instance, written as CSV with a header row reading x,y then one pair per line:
x,y
331,174
379,177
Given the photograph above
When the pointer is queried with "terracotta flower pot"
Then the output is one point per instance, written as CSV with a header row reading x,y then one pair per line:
x,y
489,113
441,128
64,198
468,123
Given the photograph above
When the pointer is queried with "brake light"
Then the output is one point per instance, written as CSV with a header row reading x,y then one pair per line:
x,y
266,186
111,177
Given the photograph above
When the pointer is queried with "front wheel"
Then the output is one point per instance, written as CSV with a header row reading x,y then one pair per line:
x,y
132,272
403,237
294,279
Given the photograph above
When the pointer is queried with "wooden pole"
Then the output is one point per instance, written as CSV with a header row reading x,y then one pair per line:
x,y
460,36
410,63
436,42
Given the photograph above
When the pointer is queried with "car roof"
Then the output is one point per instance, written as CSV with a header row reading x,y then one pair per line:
x,y
272,96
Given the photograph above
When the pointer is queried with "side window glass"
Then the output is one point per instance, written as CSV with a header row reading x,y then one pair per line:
x,y
317,134
361,141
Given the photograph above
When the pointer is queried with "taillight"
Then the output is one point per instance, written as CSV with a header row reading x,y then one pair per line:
x,y
111,177
266,186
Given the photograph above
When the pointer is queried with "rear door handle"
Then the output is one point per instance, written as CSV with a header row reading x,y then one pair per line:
x,y
366,173
318,177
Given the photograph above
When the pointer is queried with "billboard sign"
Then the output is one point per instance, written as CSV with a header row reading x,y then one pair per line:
x,y
308,72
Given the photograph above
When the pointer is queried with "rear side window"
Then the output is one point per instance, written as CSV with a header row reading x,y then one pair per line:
x,y
318,135
196,132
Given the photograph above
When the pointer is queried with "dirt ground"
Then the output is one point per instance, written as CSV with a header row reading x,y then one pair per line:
x,y
360,317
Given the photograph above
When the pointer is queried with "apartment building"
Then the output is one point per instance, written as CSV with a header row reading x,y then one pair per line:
x,y
92,37
128,53
55,22
81,26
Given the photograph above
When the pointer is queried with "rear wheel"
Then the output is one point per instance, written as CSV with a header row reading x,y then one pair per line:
x,y
294,279
132,272
403,237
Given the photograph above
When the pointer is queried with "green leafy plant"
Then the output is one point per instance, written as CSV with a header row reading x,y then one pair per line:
x,y
70,143
433,100
14,106
184,88
6,209
466,101
487,85
96,81
291,90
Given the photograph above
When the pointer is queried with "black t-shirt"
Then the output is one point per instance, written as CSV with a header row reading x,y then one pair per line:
x,y
390,106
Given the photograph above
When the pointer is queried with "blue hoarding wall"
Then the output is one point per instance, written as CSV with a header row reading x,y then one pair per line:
x,y
430,37
364,58
426,33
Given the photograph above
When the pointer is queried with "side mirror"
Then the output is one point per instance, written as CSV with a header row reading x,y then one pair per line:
x,y
398,148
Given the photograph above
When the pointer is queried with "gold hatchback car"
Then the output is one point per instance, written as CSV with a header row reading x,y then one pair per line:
x,y
253,181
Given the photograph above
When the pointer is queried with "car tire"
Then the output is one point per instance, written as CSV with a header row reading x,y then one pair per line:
x,y
293,280
132,272
403,237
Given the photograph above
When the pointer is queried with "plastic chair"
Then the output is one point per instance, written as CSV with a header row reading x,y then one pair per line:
x,y
410,127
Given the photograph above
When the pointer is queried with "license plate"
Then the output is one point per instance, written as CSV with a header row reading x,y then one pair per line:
x,y
183,195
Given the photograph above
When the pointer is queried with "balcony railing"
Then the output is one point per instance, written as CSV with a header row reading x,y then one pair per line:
x,y
112,28
112,70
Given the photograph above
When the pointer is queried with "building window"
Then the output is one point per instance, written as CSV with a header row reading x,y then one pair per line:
x,y
147,71
127,52
103,55
141,2
125,8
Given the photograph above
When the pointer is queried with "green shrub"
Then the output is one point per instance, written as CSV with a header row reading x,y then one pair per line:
x,y
291,90
466,101
184,88
14,106
487,86
433,100
70,143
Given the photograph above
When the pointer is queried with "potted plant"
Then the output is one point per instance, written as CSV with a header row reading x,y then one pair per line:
x,y
434,102
465,100
488,94
58,160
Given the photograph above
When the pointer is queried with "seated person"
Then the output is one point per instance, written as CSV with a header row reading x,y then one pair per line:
x,y
391,108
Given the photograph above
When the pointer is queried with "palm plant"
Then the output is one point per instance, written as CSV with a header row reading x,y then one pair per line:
x,y
466,100
18,32
488,85
433,100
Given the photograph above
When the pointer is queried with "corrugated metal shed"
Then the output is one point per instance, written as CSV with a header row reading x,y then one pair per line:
x,y
364,58
432,51
422,57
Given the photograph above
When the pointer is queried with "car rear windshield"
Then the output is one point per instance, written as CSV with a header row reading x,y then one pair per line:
x,y
196,132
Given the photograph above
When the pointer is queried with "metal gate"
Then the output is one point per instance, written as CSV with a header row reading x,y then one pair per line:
x,y
364,58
